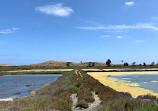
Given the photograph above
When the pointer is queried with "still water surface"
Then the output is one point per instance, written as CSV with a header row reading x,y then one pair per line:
x,y
11,84
147,81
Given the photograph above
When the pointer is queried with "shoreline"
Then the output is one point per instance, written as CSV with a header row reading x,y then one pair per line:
x,y
32,93
7,100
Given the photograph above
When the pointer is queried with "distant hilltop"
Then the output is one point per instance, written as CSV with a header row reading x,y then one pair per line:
x,y
5,65
58,63
65,63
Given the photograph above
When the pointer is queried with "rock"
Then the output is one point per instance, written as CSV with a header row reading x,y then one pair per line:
x,y
29,90
28,85
17,93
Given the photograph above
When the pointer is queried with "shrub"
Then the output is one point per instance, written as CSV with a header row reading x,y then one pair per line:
x,y
82,104
147,97
85,95
73,89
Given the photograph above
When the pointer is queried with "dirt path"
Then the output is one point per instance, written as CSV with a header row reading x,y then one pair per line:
x,y
77,74
92,106
74,99
80,74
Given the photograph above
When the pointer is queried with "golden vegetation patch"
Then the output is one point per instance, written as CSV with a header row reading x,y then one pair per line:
x,y
154,81
109,69
122,85
39,70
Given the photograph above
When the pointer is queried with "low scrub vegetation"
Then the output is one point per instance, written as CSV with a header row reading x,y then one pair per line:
x,y
118,101
53,96
82,104
56,96
85,95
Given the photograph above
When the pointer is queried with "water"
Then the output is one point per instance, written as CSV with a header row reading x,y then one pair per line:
x,y
11,84
147,81
129,69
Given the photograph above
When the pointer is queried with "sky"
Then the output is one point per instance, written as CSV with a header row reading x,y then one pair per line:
x,y
35,31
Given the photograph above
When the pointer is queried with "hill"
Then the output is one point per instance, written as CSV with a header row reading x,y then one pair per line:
x,y
5,65
63,63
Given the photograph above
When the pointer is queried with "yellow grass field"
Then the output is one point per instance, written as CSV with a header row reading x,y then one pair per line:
x,y
122,86
39,70
109,69
151,69
99,69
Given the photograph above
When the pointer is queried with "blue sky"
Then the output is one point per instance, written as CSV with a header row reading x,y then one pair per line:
x,y
34,31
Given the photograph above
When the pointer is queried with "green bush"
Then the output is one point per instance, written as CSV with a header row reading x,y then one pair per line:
x,y
82,104
85,95
73,89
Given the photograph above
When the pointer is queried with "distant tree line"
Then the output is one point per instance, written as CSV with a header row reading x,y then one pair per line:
x,y
109,63
91,64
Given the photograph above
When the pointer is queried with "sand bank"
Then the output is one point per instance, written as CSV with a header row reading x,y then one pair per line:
x,y
9,99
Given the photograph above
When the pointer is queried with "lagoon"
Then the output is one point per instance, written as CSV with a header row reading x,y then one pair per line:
x,y
146,81
13,86
142,83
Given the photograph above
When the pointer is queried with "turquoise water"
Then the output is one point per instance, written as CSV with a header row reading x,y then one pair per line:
x,y
144,80
11,84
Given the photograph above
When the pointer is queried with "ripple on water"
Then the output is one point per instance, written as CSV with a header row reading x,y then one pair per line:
x,y
12,86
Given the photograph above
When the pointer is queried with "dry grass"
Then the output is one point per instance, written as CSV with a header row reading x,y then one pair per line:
x,y
85,95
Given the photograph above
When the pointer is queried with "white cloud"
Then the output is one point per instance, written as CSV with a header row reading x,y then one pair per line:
x,y
8,31
120,27
119,37
131,3
105,36
55,9
139,41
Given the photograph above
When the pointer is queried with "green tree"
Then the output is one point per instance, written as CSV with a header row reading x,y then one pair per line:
x,y
122,61
68,64
89,64
152,64
134,63
108,62
125,64
144,64
93,64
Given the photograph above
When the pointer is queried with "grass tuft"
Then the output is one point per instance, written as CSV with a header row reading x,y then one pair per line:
x,y
82,104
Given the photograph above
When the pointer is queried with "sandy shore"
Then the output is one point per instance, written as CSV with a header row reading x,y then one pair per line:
x,y
31,94
122,86
9,99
